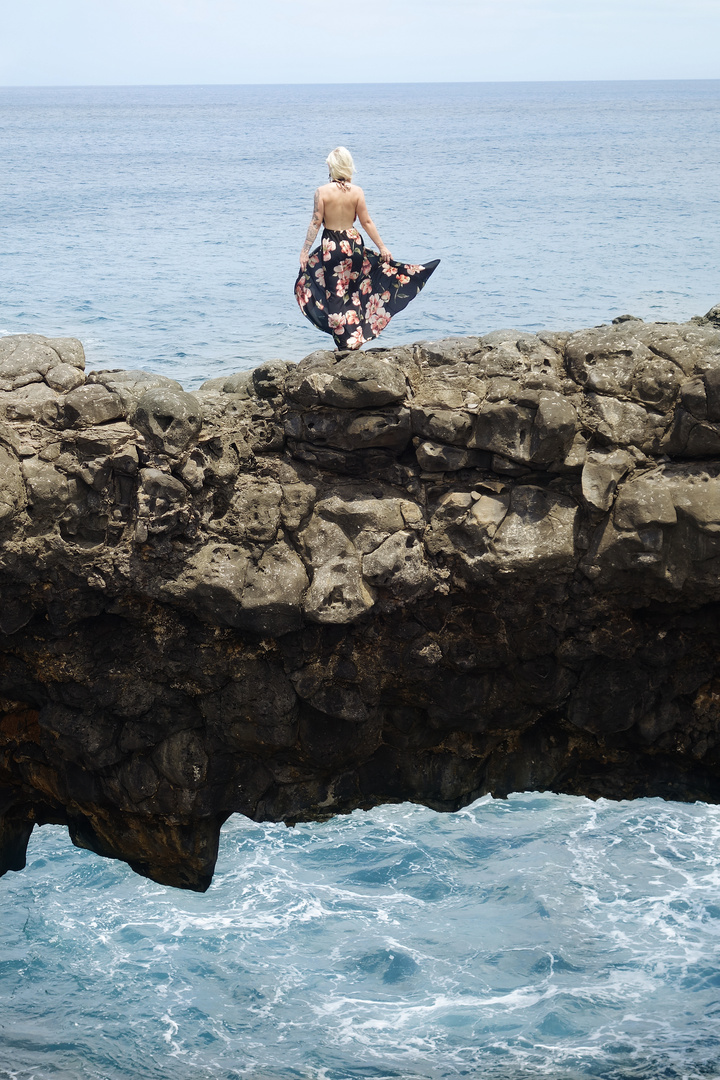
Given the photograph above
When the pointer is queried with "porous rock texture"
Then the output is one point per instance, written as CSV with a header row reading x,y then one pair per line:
x,y
474,565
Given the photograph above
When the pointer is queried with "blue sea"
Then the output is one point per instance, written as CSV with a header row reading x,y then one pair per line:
x,y
542,936
162,225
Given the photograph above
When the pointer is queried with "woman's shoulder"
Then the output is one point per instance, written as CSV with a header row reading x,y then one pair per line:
x,y
324,189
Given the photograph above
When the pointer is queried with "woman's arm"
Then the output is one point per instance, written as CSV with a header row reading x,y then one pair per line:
x,y
315,223
366,222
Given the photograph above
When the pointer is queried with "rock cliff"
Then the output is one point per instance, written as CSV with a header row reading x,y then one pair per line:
x,y
473,565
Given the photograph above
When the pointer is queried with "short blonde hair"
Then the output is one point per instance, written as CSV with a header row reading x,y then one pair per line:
x,y
340,163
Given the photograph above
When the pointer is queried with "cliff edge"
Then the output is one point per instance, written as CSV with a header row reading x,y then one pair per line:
x,y
456,567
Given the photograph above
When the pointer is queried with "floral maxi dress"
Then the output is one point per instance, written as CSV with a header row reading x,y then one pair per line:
x,y
351,293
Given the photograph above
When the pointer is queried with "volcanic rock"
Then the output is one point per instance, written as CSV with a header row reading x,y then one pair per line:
x,y
475,565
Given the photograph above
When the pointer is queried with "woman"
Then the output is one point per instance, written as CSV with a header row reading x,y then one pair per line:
x,y
343,289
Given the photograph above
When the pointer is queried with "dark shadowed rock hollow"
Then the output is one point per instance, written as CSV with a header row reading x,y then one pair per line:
x,y
465,566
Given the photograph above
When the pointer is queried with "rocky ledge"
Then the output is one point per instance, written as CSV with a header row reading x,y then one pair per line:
x,y
474,565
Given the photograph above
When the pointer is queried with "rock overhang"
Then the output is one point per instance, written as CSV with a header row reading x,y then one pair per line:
x,y
475,565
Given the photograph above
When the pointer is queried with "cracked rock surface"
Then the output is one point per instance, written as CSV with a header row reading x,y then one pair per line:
x,y
457,567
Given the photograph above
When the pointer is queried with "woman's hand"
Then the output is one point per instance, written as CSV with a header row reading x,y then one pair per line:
x,y
304,256
385,255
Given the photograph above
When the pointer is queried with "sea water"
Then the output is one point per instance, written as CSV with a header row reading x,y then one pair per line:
x,y
163,225
543,936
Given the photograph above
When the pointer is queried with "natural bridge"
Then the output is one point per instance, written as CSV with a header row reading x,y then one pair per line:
x,y
474,565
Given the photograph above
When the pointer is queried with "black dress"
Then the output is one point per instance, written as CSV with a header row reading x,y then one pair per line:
x,y
352,293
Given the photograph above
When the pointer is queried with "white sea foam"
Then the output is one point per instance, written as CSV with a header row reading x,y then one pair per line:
x,y
543,935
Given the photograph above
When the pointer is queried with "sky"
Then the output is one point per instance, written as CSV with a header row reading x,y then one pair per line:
x,y
126,42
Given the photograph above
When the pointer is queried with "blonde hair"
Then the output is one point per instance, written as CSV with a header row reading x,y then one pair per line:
x,y
340,163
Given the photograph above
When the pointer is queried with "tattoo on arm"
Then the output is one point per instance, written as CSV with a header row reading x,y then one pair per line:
x,y
315,223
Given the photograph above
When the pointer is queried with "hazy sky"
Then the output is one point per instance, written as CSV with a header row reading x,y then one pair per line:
x,y
74,42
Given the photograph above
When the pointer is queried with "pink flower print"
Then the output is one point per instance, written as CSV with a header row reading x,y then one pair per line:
x,y
353,234
376,314
373,304
319,305
389,270
355,340
385,297
302,293
351,318
320,277
313,261
413,269
366,267
366,286
345,247
343,274
328,247
356,297
403,279
379,322
336,320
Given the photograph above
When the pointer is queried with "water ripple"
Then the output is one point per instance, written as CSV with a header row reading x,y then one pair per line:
x,y
541,936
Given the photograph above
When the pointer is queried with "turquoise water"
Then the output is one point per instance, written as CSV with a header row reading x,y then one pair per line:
x,y
545,936
162,225
542,936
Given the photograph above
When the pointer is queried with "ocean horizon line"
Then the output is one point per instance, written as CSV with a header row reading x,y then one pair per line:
x,y
398,82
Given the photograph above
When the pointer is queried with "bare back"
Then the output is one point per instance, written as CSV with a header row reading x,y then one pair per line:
x,y
336,206
340,205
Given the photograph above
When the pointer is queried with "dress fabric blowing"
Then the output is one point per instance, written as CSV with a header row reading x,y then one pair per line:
x,y
351,293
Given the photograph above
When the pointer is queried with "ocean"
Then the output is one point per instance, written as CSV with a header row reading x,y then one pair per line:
x,y
163,225
542,936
